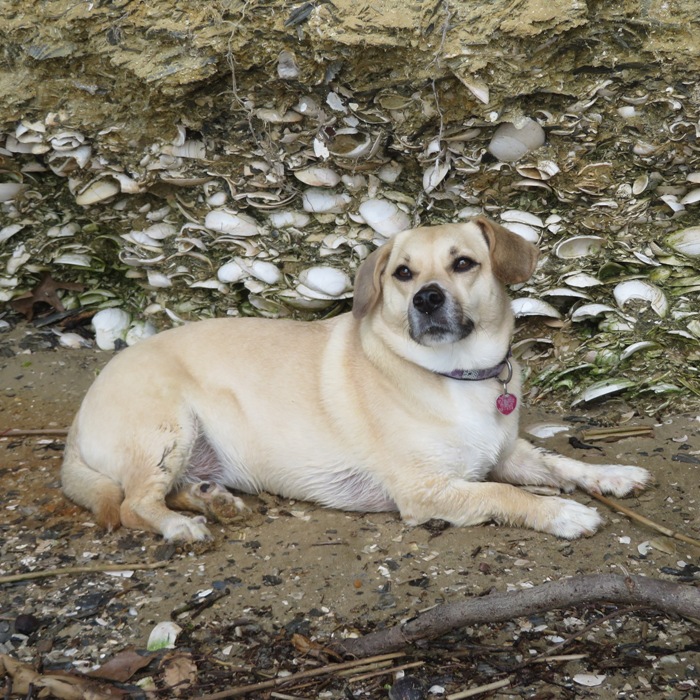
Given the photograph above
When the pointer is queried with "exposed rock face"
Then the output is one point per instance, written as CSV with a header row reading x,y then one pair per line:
x,y
128,128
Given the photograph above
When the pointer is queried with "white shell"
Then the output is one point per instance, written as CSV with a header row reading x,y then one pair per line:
x,y
225,221
140,330
9,190
528,306
160,231
434,175
320,201
158,279
389,172
603,388
163,636
285,218
384,217
578,247
686,241
588,311
264,271
564,292
8,231
97,191
510,142
546,430
581,279
110,325
521,217
591,679
529,233
231,272
77,259
317,176
636,347
626,291
328,281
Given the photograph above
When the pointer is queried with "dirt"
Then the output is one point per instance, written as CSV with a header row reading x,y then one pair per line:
x,y
292,568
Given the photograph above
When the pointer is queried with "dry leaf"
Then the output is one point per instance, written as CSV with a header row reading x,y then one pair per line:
x,y
122,666
179,671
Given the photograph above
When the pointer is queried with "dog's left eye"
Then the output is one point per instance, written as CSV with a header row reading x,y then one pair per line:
x,y
463,264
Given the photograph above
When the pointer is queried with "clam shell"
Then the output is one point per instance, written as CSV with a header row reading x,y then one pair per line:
x,y
384,217
603,388
628,290
262,270
578,247
319,201
327,281
636,347
521,217
528,306
139,330
529,233
510,142
686,241
581,280
317,176
230,273
389,172
9,190
586,312
97,191
110,325
158,279
163,636
284,218
225,221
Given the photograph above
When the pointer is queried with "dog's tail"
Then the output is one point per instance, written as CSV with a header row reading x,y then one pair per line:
x,y
88,488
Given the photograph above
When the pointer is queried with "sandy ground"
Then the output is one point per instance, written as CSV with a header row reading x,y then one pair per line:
x,y
292,567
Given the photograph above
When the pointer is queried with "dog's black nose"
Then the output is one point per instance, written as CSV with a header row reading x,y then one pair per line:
x,y
429,299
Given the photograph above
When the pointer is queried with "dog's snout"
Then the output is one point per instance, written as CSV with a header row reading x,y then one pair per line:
x,y
429,299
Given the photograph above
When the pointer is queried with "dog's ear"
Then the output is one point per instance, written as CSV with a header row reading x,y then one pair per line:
x,y
368,281
513,259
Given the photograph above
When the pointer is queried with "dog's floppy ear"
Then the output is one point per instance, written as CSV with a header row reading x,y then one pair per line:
x,y
368,282
513,259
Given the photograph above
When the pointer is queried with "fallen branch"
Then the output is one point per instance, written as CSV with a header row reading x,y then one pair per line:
x,y
644,521
671,598
100,568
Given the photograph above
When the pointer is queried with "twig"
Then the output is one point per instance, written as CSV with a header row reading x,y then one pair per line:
x,y
384,671
671,598
18,432
199,606
48,573
288,680
612,434
481,689
644,521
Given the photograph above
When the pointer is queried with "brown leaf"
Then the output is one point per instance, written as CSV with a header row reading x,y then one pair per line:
x,y
179,671
122,666
46,292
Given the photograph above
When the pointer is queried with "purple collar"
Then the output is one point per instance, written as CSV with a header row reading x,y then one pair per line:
x,y
476,375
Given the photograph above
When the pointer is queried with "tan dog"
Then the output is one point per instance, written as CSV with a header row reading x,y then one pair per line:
x,y
399,405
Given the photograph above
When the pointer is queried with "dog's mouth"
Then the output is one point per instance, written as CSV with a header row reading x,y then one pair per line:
x,y
439,333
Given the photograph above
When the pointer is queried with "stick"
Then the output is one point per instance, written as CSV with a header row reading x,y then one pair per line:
x,y
671,598
481,689
612,434
287,680
645,521
18,432
48,573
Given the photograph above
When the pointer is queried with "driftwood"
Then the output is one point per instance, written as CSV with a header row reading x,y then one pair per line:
x,y
670,598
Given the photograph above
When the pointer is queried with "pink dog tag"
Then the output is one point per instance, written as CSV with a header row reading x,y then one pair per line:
x,y
506,403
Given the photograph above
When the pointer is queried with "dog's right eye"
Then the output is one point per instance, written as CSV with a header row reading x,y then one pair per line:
x,y
402,272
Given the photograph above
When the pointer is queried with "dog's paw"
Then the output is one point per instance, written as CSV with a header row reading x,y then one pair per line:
x,y
573,520
615,479
183,529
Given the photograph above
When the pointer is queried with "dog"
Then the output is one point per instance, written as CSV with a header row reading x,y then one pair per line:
x,y
408,403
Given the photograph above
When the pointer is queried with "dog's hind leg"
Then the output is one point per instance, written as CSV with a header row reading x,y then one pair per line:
x,y
533,466
208,498
158,468
91,489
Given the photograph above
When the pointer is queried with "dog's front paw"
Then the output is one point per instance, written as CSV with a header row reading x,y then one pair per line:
x,y
573,520
616,479
183,529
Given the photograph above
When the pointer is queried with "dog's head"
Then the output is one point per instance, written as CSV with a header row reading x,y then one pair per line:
x,y
440,283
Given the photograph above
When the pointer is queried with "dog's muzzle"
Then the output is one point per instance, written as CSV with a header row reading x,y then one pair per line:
x,y
434,317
